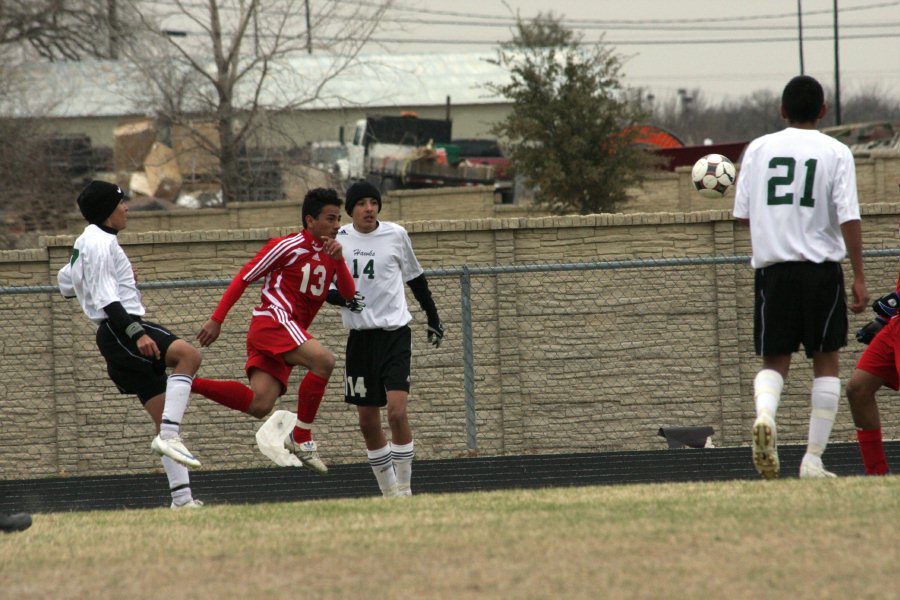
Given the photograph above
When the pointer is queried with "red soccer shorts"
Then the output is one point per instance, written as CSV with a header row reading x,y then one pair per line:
x,y
880,358
267,340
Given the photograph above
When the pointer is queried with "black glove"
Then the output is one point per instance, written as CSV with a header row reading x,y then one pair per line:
x,y
887,305
866,333
435,331
356,304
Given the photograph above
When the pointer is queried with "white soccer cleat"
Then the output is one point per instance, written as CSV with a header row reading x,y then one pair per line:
x,y
404,489
175,449
809,469
308,454
270,438
190,505
765,448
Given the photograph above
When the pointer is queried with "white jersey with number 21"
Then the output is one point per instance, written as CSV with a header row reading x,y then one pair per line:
x,y
797,187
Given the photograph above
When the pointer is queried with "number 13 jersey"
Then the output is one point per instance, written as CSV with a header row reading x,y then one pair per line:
x,y
296,275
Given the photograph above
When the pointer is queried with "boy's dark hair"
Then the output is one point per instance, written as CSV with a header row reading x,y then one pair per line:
x,y
316,199
802,99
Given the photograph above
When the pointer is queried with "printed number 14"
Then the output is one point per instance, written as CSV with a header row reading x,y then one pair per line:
x,y
368,269
357,389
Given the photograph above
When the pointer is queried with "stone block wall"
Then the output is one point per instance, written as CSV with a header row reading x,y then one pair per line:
x,y
565,361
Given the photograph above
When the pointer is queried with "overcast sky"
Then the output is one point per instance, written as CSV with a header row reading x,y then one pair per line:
x,y
726,48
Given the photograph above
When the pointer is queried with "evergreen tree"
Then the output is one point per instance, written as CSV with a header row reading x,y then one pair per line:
x,y
569,132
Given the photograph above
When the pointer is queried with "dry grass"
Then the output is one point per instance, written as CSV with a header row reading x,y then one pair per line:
x,y
782,539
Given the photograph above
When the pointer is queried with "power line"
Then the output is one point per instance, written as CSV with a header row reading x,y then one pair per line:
x,y
680,42
580,23
692,20
642,26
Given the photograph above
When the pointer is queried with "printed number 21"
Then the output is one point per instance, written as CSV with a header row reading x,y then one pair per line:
x,y
788,179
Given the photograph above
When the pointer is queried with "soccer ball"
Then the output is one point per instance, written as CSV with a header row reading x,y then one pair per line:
x,y
713,175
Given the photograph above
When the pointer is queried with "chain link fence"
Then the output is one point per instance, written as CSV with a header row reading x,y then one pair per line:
x,y
541,358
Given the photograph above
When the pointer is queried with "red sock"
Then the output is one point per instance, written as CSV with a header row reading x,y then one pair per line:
x,y
233,394
309,397
872,450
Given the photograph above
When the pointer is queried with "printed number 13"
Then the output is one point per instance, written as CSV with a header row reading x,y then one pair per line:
x,y
788,179
317,287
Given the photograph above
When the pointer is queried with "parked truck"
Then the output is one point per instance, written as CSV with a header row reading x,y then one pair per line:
x,y
403,152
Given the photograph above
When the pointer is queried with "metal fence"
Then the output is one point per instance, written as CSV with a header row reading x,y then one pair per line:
x,y
556,357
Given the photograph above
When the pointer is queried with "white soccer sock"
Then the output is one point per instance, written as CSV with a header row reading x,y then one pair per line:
x,y
179,481
402,455
382,466
826,392
767,386
178,391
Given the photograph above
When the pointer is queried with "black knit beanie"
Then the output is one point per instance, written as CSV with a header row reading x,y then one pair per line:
x,y
98,200
360,190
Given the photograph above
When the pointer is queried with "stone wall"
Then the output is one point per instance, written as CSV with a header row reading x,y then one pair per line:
x,y
565,361
878,179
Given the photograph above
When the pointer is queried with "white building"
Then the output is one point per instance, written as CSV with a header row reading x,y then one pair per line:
x,y
94,97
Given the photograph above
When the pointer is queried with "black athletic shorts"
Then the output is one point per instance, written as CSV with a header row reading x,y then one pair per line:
x,y
132,372
800,303
378,361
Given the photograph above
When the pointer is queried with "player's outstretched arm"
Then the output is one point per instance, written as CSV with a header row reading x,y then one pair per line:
x,y
209,333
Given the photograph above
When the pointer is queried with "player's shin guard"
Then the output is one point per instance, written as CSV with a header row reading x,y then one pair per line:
x,y
178,392
179,481
383,468
309,397
826,392
871,448
233,394
402,457
767,386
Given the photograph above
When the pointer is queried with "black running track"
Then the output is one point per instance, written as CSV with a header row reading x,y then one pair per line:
x,y
246,486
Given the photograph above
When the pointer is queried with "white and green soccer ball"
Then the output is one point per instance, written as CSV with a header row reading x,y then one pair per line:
x,y
713,175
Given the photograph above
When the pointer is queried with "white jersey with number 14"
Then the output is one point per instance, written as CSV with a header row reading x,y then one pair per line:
x,y
381,262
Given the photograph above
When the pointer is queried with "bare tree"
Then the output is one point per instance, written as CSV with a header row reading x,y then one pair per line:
x,y
35,197
62,29
231,63
870,104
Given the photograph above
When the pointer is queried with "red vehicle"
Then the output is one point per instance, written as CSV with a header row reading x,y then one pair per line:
x,y
483,151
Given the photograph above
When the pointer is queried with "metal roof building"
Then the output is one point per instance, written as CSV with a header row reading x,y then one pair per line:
x,y
93,97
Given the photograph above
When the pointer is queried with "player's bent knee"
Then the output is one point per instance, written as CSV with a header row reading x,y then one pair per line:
x,y
396,414
369,422
326,364
260,407
861,390
184,357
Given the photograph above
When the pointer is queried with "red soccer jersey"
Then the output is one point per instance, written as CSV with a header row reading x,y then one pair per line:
x,y
296,274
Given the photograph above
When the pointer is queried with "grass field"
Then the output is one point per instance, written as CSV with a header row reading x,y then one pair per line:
x,y
742,539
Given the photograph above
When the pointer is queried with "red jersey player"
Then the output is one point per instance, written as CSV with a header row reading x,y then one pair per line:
x,y
878,366
296,271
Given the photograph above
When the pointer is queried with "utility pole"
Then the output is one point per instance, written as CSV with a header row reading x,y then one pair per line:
x,y
308,30
800,33
112,24
837,70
